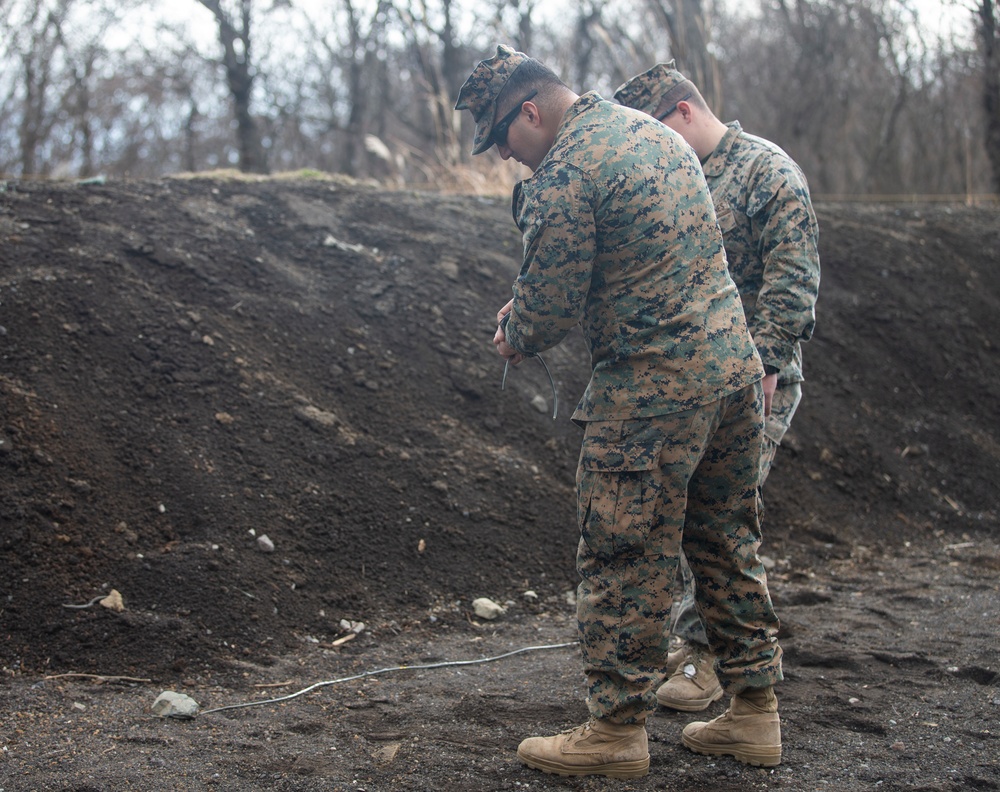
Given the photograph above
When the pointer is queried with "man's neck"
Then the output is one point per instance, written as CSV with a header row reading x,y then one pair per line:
x,y
709,137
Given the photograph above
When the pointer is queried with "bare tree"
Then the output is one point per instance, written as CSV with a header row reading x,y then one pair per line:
x,y
989,42
836,82
85,57
439,60
35,40
688,26
235,37
81,106
363,81
588,20
524,9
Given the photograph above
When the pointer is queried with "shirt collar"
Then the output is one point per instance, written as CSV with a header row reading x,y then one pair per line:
x,y
715,163
580,106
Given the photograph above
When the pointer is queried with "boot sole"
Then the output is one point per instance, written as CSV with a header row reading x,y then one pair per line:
x,y
688,705
756,755
634,769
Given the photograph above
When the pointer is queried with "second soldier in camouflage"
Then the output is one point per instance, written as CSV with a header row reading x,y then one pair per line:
x,y
771,237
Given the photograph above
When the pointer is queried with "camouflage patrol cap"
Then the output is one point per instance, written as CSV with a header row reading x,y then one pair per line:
x,y
480,92
645,91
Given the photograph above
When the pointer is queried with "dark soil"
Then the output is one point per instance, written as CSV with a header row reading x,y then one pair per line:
x,y
187,365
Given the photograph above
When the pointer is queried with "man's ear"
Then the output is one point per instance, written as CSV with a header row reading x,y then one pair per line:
x,y
532,114
685,111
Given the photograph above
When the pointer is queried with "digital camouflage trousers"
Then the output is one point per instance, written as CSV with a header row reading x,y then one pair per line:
x,y
648,489
685,622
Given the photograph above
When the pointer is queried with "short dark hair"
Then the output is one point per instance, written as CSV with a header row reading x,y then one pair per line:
x,y
682,91
529,76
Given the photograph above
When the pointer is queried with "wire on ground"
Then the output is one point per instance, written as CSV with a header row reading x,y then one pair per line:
x,y
387,670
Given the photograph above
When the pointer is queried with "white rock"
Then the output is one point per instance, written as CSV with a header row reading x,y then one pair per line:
x,y
355,627
264,544
486,608
530,595
175,705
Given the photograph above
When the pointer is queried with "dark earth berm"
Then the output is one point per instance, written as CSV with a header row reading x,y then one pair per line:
x,y
189,364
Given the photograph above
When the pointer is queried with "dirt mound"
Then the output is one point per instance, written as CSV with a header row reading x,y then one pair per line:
x,y
188,365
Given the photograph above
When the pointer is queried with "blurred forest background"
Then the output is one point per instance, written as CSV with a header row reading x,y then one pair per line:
x,y
871,97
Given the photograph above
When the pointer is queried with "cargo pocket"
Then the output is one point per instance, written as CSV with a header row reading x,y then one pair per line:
x,y
617,489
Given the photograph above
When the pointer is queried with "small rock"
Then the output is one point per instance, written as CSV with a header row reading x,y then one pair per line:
x,y
486,608
898,746
332,241
316,418
530,595
355,627
387,752
113,601
539,403
175,705
450,268
264,544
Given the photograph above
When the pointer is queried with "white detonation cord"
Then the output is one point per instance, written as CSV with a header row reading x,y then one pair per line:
x,y
385,671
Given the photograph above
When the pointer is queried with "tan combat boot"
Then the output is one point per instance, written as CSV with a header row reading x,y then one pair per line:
x,y
749,731
596,748
693,684
678,652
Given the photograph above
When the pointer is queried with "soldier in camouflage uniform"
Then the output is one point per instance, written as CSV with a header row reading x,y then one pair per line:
x,y
771,238
620,237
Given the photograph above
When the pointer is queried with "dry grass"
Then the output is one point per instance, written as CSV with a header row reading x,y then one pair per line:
x,y
491,176
487,175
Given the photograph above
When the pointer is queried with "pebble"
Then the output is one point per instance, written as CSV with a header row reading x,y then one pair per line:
x,y
264,544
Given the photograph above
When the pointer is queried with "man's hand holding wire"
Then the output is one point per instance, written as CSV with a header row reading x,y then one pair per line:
x,y
504,349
